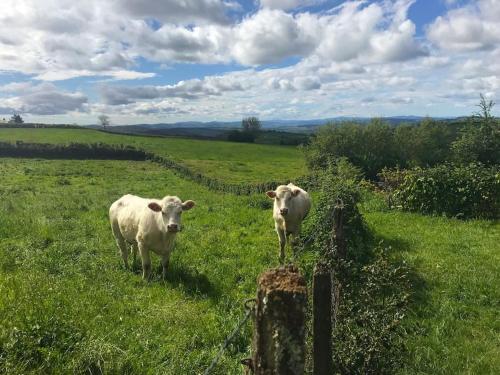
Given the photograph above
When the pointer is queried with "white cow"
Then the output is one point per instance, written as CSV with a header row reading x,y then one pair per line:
x,y
291,206
147,224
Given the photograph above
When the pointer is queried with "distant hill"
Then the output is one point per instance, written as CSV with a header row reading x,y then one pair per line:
x,y
215,129
282,132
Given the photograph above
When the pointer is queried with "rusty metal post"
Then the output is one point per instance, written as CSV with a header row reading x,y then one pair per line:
x,y
280,317
322,320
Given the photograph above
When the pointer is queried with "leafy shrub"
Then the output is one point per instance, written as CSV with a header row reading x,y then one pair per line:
x,y
479,142
338,181
391,179
370,147
425,144
368,337
480,139
468,191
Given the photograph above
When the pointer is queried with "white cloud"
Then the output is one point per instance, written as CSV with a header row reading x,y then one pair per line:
x,y
191,89
175,11
475,26
288,4
43,99
358,32
62,39
359,49
270,36
15,87
118,75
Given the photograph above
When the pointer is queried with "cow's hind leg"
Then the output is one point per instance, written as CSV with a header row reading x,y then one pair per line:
x,y
122,244
135,249
146,262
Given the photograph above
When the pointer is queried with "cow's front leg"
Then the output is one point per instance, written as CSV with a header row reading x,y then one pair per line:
x,y
165,259
146,262
282,239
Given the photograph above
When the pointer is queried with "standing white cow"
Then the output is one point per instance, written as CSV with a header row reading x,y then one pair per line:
x,y
291,206
147,224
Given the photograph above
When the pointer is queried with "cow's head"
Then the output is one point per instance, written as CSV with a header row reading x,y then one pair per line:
x,y
171,209
283,196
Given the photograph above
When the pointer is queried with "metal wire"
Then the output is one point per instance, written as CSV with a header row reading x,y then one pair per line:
x,y
249,309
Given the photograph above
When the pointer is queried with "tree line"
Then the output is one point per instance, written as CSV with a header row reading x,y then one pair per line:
x,y
379,145
434,167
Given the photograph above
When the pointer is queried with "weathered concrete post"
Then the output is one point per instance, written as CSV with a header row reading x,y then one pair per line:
x,y
280,329
322,320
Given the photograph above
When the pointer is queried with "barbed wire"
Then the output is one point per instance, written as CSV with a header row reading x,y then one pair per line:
x,y
249,309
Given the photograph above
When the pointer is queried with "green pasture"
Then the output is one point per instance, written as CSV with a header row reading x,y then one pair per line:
x,y
232,162
454,321
68,306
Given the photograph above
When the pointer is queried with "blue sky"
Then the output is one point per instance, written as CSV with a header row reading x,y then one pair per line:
x,y
142,61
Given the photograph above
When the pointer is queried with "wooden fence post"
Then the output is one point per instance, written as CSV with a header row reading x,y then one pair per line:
x,y
280,317
322,320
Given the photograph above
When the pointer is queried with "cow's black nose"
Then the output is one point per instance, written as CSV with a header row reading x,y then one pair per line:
x,y
284,211
172,227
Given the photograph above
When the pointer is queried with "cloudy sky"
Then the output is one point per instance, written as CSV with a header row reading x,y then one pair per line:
x,y
171,60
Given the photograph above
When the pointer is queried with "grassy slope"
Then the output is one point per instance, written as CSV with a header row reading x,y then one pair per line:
x,y
61,277
454,324
233,162
64,244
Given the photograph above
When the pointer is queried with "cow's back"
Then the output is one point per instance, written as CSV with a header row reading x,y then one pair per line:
x,y
301,203
125,215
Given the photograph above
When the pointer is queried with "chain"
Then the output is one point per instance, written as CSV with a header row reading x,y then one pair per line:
x,y
249,309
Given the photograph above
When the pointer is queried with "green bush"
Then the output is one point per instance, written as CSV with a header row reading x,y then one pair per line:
x,y
370,147
368,336
478,142
480,139
377,145
464,191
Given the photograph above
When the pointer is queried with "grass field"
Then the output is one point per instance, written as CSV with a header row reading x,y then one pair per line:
x,y
232,162
68,306
454,324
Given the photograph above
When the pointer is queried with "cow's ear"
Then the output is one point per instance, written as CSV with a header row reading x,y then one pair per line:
x,y
271,194
155,206
295,192
187,205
